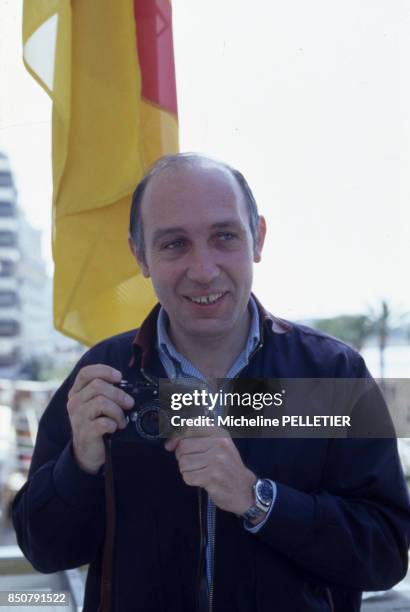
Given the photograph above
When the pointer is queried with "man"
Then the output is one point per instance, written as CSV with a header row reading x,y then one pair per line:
x,y
207,522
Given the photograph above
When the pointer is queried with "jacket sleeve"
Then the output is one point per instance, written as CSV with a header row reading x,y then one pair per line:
x,y
59,513
354,536
354,531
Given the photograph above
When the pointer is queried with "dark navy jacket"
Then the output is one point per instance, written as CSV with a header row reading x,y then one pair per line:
x,y
340,523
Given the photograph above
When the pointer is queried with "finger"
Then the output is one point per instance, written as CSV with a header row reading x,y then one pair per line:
x,y
103,407
98,387
196,445
98,407
196,433
103,425
92,431
88,373
215,445
193,446
194,461
172,443
204,432
196,478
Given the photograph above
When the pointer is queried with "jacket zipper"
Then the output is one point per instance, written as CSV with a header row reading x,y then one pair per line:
x,y
212,541
251,356
330,599
213,516
201,549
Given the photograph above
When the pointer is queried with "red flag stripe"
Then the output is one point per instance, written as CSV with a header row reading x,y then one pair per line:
x,y
153,20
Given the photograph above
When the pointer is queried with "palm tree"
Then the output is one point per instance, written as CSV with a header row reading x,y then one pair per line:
x,y
356,329
382,328
381,321
352,329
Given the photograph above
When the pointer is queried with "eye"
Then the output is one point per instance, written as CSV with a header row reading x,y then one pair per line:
x,y
225,236
173,244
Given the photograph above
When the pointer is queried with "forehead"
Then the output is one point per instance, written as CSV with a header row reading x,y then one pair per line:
x,y
192,195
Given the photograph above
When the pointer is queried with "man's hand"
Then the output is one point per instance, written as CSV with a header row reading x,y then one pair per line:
x,y
213,462
95,407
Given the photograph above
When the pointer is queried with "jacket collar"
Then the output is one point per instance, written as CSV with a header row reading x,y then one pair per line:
x,y
144,343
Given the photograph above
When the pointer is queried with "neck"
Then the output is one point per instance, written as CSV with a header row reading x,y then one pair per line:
x,y
213,356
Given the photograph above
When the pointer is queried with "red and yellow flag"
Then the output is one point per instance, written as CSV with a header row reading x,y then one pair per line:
x,y
109,69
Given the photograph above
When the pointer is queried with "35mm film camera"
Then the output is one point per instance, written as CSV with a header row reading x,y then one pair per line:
x,y
146,419
151,415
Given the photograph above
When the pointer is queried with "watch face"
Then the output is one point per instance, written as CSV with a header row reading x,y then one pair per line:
x,y
264,492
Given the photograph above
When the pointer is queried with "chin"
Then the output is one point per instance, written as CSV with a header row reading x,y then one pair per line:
x,y
209,329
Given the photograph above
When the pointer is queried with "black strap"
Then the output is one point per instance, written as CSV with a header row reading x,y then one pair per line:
x,y
108,552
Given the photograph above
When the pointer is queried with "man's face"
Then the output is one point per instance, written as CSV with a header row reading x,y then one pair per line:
x,y
199,250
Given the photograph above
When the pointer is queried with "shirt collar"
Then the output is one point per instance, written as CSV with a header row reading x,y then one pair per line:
x,y
175,363
144,344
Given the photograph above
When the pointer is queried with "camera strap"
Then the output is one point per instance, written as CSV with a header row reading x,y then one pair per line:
x,y
108,551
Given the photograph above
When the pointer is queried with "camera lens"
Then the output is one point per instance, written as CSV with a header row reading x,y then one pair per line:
x,y
151,421
148,421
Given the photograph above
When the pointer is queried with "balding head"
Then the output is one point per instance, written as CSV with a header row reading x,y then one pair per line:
x,y
170,164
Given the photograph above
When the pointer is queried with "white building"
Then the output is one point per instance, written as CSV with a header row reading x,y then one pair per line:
x,y
27,334
35,294
10,306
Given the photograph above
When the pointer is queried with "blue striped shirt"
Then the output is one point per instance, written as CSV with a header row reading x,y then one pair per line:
x,y
177,366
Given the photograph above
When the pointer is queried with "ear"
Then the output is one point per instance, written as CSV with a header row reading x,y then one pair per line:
x,y
257,256
140,261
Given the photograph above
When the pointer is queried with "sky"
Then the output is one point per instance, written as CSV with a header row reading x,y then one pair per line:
x,y
310,100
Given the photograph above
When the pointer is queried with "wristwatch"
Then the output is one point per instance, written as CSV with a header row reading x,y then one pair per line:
x,y
263,497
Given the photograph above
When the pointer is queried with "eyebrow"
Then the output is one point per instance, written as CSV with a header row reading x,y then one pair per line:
x,y
225,224
159,234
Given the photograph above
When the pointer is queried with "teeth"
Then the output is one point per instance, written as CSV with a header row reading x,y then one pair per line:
x,y
206,299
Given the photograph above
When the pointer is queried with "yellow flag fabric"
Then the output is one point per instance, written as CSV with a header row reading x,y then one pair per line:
x,y
99,61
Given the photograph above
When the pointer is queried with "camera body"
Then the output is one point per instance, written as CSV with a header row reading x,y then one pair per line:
x,y
146,418
151,416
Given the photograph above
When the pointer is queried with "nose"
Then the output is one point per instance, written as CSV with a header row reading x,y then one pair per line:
x,y
202,267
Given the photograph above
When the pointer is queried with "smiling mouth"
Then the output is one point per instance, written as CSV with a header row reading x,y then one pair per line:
x,y
205,300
